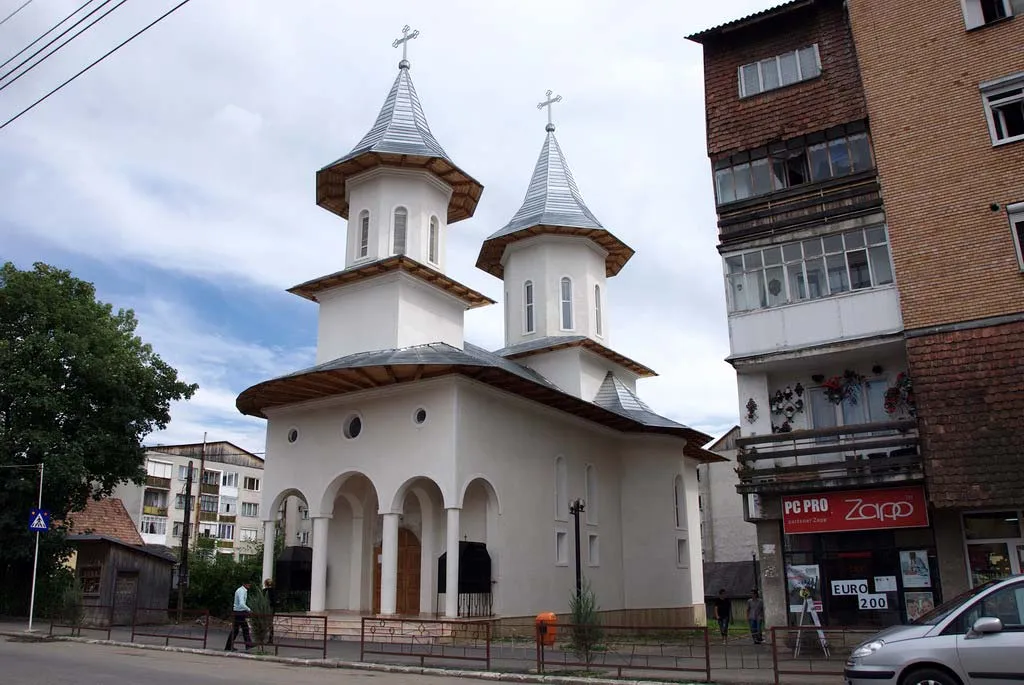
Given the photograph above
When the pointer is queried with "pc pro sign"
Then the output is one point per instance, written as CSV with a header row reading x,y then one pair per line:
x,y
836,512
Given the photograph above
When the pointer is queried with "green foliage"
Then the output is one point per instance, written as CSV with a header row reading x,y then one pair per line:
x,y
586,634
71,611
262,619
212,582
78,392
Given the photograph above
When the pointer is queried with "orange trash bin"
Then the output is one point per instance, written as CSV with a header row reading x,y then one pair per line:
x,y
545,623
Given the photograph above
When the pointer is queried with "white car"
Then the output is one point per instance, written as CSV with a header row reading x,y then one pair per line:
x,y
974,639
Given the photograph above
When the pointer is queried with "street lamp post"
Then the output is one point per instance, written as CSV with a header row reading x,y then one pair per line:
x,y
576,507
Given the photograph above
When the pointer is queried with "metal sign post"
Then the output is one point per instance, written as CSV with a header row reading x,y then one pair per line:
x,y
39,521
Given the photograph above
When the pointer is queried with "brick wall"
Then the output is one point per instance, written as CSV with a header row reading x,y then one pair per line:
x,y
969,387
954,256
735,124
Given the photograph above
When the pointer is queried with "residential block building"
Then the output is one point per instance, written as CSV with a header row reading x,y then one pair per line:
x,y
725,535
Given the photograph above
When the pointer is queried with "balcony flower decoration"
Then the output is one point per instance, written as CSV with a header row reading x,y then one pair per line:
x,y
787,403
899,397
751,410
838,389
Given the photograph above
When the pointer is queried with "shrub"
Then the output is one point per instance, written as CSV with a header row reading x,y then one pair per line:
x,y
586,633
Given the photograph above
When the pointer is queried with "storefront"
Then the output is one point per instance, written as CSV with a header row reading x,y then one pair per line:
x,y
994,544
859,557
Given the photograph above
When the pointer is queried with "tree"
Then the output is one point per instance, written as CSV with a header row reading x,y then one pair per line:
x,y
585,633
78,392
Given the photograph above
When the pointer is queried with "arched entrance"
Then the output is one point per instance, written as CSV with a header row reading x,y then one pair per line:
x,y
408,595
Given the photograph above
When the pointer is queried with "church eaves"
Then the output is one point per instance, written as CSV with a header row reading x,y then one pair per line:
x,y
553,205
400,137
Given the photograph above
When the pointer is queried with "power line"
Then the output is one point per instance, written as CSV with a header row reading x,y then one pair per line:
x,y
15,55
4,21
63,33
90,66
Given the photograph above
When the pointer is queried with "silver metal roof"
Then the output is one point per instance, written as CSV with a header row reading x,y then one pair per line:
x,y
552,199
538,344
401,127
615,396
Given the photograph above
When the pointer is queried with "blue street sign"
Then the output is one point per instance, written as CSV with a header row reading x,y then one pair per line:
x,y
39,520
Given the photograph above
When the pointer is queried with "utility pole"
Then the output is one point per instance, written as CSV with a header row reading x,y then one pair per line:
x,y
35,560
183,562
202,475
576,507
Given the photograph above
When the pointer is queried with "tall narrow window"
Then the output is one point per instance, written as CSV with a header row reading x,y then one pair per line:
x,y
401,220
590,500
597,309
435,231
561,490
566,304
678,495
528,306
364,233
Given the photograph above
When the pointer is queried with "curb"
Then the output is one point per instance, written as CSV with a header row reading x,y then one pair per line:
x,y
494,676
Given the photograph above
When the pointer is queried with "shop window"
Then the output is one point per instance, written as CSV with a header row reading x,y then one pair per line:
x,y
989,525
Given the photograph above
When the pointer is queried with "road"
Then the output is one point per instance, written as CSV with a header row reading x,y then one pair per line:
x,y
69,663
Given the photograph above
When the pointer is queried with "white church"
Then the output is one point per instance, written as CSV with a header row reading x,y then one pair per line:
x,y
439,475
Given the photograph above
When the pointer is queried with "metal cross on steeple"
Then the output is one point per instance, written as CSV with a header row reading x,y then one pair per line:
x,y
404,42
547,103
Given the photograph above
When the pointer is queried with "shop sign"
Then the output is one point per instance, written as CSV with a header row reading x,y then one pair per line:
x,y
836,512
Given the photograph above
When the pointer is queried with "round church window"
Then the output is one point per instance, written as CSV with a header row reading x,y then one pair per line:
x,y
353,427
420,416
293,435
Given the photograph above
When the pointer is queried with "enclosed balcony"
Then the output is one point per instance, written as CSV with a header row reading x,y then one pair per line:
x,y
840,457
158,482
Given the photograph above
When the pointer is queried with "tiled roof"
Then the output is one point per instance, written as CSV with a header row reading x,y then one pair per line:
x,y
108,518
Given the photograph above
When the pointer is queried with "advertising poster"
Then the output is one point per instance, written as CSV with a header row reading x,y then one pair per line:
x,y
918,604
915,569
803,582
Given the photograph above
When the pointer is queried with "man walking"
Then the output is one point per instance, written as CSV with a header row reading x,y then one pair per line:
x,y
755,616
723,612
242,611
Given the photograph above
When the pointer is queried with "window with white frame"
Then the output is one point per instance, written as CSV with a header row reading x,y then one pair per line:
x,y
561,548
590,496
401,223
593,550
561,490
183,473
226,531
229,480
1004,107
434,238
159,469
794,163
177,528
250,483
808,269
208,503
566,291
248,534
153,525
983,12
529,324
250,509
364,233
597,309
229,506
682,553
781,70
1016,213
179,501
865,404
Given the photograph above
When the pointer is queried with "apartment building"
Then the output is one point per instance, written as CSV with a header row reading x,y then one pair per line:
x,y
224,504
828,456
944,85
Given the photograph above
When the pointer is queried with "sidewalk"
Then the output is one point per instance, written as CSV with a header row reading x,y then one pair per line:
x,y
738,663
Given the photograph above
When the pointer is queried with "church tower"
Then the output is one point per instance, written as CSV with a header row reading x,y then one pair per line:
x,y
555,258
399,191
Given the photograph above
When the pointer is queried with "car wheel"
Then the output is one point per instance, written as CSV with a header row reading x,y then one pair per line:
x,y
928,676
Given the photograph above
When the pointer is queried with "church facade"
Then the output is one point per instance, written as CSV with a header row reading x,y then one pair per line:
x,y
439,475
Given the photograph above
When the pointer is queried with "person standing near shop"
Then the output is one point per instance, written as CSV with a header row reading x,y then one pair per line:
x,y
241,610
755,616
723,613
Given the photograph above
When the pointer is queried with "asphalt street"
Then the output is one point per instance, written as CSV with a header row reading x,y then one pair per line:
x,y
69,663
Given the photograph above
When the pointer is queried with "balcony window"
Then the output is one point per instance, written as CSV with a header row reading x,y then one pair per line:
x,y
229,480
793,164
159,469
808,269
153,525
208,503
1004,107
778,71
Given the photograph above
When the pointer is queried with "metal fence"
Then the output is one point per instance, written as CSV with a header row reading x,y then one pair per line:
x,y
620,650
435,640
810,650
291,631
169,624
96,618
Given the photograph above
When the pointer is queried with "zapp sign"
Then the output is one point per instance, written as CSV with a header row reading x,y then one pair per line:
x,y
835,512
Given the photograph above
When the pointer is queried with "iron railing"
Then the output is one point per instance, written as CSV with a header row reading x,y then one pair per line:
x,y
426,639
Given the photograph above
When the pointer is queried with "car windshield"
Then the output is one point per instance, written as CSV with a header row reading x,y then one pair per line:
x,y
940,612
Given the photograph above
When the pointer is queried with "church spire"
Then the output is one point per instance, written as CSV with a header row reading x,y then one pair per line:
x,y
400,137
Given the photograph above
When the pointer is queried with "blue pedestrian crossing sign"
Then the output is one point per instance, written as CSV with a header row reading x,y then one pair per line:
x,y
39,520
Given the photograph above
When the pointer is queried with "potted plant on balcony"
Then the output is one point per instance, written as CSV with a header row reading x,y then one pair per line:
x,y
899,397
838,389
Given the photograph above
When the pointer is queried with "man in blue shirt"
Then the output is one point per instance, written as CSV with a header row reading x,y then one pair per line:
x,y
242,611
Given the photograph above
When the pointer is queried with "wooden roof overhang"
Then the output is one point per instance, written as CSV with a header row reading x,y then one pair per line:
x,y
472,298
330,181
493,249
319,384
591,346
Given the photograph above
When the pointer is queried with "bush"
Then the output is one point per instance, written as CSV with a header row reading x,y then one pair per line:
x,y
70,610
262,619
212,582
586,633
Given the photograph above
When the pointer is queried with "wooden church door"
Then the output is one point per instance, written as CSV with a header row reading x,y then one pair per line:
x,y
409,551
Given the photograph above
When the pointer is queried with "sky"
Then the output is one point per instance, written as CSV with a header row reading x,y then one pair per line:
x,y
179,174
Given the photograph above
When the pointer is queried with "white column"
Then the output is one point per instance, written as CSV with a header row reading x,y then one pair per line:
x,y
428,559
269,538
451,590
355,588
318,589
389,566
